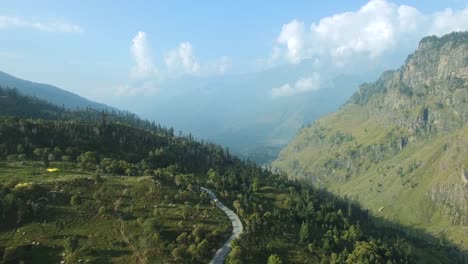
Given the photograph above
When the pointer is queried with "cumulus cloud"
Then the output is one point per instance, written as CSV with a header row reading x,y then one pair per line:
x,y
293,36
146,77
11,22
181,60
302,85
144,67
372,36
376,28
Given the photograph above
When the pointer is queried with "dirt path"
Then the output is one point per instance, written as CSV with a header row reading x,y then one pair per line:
x,y
135,251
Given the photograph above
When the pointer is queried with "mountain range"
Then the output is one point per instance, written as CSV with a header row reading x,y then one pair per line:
x,y
240,111
237,111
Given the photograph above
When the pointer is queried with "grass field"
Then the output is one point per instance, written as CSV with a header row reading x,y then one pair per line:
x,y
114,219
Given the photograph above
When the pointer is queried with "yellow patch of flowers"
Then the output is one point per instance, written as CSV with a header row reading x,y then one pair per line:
x,y
22,185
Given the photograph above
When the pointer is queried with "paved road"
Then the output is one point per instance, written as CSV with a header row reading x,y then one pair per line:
x,y
221,254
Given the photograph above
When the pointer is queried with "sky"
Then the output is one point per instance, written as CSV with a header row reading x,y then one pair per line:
x,y
106,49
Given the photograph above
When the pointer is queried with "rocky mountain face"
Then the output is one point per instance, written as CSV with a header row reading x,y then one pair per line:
x,y
433,80
400,144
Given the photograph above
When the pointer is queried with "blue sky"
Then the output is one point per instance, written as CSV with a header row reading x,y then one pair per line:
x,y
85,46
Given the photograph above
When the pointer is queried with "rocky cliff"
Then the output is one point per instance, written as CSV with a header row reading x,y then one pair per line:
x,y
399,143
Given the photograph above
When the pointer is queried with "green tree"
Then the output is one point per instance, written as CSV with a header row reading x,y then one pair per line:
x,y
38,153
237,205
236,254
51,157
19,149
213,176
274,259
255,184
366,253
304,233
88,161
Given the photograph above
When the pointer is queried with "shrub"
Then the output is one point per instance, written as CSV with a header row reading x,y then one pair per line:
x,y
75,200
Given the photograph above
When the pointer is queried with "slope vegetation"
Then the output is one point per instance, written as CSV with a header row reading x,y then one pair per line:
x,y
400,145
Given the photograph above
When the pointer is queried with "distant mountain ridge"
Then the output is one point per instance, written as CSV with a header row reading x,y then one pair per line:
x,y
49,93
400,144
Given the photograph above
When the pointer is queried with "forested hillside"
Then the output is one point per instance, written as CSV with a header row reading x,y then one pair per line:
x,y
399,146
129,192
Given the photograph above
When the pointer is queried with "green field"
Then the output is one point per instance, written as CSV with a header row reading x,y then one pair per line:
x,y
105,219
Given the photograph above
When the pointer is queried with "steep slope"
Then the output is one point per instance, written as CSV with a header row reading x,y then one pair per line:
x,y
48,93
400,145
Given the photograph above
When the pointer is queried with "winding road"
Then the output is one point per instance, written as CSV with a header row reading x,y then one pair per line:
x,y
221,254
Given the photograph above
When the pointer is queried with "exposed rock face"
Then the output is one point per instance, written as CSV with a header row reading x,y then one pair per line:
x,y
464,176
399,142
454,199
433,81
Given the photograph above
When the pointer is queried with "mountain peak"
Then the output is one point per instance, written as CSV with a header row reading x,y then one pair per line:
x,y
455,38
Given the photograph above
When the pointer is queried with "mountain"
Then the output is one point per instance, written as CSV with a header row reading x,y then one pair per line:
x,y
399,146
48,93
16,104
239,111
89,186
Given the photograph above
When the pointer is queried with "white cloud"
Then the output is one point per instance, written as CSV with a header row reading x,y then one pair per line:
x,y
144,67
11,22
375,36
146,78
448,20
181,60
144,75
377,28
293,36
302,85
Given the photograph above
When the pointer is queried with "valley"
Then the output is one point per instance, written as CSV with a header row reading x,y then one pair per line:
x,y
129,192
234,132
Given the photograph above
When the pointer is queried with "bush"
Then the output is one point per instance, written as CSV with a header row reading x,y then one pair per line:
x,y
75,200
12,158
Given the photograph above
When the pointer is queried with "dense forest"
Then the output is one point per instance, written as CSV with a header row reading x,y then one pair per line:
x,y
285,221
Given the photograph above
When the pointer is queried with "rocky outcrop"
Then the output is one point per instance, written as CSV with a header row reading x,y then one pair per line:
x,y
464,175
454,200
429,92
